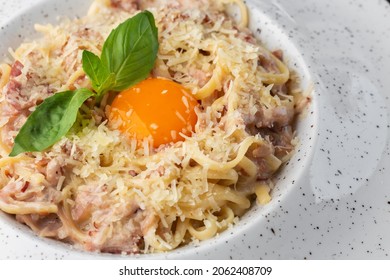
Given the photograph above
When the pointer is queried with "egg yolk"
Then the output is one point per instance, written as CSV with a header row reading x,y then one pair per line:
x,y
157,108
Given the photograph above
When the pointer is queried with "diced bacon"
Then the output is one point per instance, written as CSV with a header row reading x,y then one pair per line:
x,y
54,172
201,77
43,225
278,116
278,54
25,186
23,97
283,115
84,202
182,4
262,151
268,64
14,87
281,138
16,69
9,130
126,5
280,89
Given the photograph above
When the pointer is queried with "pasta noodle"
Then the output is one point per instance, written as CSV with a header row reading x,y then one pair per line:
x,y
5,71
262,193
104,192
243,10
215,83
272,78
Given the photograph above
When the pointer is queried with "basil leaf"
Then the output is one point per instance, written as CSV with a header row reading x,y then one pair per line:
x,y
50,121
106,86
97,72
130,50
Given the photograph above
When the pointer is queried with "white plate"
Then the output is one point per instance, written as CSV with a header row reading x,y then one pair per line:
x,y
333,199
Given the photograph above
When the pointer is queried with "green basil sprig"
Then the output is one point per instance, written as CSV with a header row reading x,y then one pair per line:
x,y
128,56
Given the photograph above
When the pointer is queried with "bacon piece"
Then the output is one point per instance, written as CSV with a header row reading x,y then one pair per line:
x,y
183,4
262,151
25,186
201,77
43,225
126,5
54,172
278,54
268,64
268,118
16,69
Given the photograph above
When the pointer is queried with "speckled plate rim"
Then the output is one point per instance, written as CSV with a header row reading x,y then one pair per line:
x,y
279,28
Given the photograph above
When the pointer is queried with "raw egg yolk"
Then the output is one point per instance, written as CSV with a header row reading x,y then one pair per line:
x,y
157,108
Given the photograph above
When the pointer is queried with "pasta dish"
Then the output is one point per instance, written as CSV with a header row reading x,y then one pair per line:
x,y
177,157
